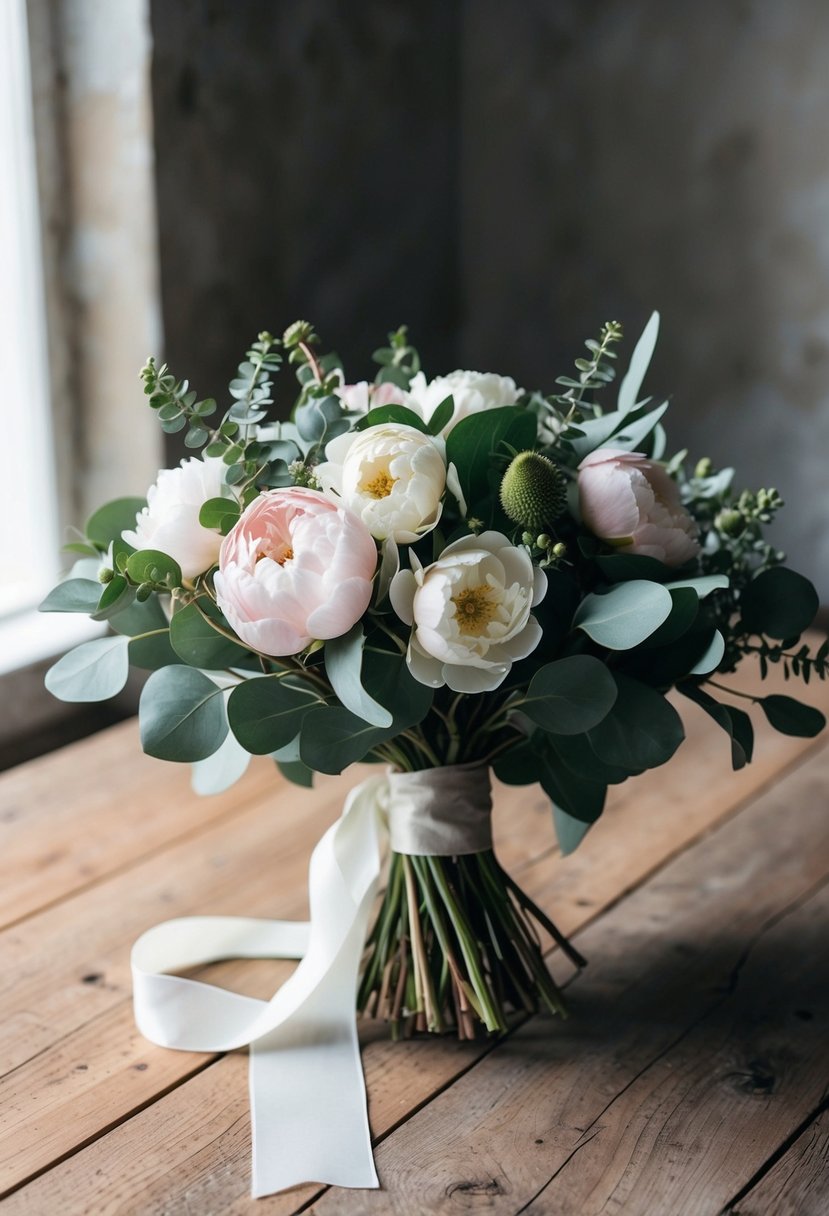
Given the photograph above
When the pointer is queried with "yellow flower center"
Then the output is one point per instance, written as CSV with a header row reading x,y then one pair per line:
x,y
474,610
379,486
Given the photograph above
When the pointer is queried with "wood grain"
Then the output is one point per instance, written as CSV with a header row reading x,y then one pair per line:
x,y
798,1183
69,819
661,961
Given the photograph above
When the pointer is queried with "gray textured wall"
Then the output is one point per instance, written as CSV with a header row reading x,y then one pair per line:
x,y
632,154
505,178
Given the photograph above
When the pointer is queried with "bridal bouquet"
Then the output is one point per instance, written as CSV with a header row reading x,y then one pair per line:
x,y
447,577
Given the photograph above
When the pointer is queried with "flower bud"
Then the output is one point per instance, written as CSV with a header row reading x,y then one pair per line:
x,y
704,468
300,331
730,522
105,575
533,491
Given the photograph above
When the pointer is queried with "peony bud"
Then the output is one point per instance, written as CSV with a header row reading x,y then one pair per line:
x,y
533,491
730,522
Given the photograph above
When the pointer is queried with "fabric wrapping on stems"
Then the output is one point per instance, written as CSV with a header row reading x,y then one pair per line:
x,y
307,1091
441,812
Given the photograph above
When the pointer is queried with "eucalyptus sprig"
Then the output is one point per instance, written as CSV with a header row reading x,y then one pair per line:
x,y
399,361
595,373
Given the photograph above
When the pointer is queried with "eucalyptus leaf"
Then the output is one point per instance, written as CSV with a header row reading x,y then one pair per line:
x,y
625,616
181,715
109,521
116,597
73,595
266,712
223,769
296,772
704,585
779,603
343,664
570,832
642,730
639,363
332,738
792,717
735,722
570,696
93,671
391,413
574,793
195,637
711,658
153,566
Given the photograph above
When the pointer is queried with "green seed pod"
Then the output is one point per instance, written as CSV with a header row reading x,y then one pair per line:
x,y
533,491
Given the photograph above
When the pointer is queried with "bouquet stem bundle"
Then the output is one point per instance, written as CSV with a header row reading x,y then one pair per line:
x,y
456,947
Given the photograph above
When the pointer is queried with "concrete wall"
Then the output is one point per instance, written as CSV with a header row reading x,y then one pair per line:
x,y
505,177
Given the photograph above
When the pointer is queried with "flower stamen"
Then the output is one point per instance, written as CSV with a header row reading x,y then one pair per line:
x,y
380,486
474,610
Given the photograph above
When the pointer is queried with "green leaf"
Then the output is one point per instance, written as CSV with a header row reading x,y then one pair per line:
x,y
181,715
703,585
296,772
683,614
521,765
153,651
221,513
779,603
152,566
620,567
221,770
735,722
109,521
711,658
391,413
574,752
792,717
642,731
624,616
639,363
570,696
474,441
140,617
633,434
93,671
570,832
387,674
574,793
343,664
198,643
442,416
332,738
267,711
117,596
73,595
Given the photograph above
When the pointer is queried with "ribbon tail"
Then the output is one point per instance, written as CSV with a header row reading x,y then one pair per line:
x,y
307,1090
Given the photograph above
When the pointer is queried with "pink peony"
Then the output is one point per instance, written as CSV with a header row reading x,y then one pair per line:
x,y
632,503
295,568
362,397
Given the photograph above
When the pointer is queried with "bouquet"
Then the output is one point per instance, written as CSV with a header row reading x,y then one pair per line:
x,y
448,578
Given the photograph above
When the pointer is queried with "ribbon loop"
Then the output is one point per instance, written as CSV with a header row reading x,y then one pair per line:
x,y
308,1100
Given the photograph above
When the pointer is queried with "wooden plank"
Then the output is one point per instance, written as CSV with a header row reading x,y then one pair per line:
x,y
67,969
702,1120
662,960
798,1183
69,819
671,947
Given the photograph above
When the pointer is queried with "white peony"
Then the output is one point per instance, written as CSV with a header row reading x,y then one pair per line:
x,y
470,611
170,520
472,392
391,476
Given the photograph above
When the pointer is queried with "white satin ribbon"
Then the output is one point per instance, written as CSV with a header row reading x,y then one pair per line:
x,y
307,1091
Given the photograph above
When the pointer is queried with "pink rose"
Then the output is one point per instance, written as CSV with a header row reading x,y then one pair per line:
x,y
295,568
632,503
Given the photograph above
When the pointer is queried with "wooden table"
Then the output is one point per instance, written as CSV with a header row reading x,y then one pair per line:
x,y
691,1077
